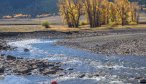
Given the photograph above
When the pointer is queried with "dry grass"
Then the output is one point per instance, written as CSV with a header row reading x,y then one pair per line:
x,y
18,21
21,28
32,28
61,28
117,27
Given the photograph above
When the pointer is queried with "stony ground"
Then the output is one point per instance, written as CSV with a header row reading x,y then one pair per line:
x,y
117,44
12,65
3,45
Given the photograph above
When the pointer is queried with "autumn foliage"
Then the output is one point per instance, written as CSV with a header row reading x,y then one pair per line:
x,y
71,11
99,12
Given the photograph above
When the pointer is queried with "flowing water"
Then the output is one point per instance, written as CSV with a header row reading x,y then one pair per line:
x,y
111,69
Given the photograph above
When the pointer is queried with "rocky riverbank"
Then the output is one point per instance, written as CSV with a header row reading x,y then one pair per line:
x,y
11,65
115,44
3,45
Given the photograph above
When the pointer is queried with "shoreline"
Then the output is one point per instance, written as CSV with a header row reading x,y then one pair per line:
x,y
129,44
111,42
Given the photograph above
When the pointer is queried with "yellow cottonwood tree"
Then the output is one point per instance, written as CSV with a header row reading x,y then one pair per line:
x,y
92,8
122,7
99,12
71,11
112,13
105,11
134,12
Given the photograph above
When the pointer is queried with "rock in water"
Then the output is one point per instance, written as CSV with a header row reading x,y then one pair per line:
x,y
9,57
82,76
142,81
48,71
70,69
2,69
23,70
26,50
2,77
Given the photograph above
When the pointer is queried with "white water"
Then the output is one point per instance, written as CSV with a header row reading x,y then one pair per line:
x,y
113,69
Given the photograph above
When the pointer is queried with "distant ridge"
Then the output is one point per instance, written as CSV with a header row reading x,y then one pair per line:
x,y
31,7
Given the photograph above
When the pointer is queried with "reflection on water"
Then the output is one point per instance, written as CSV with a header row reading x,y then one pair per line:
x,y
112,69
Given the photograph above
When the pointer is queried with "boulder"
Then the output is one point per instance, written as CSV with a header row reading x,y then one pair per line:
x,y
70,69
26,50
2,69
35,72
9,57
142,81
23,70
2,77
55,67
82,76
34,66
48,71
51,64
96,75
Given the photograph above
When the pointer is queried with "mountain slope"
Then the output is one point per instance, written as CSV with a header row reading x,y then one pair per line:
x,y
32,7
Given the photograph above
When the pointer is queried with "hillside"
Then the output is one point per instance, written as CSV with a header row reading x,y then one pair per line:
x,y
32,7
140,1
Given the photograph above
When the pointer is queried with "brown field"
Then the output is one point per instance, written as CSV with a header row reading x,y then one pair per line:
x,y
56,23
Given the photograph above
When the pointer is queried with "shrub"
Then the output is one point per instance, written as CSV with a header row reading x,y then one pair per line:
x,y
114,24
46,24
133,23
84,23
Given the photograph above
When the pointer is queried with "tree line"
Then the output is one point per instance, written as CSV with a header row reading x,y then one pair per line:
x,y
98,12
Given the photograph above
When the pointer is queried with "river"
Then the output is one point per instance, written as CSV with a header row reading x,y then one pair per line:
x,y
111,69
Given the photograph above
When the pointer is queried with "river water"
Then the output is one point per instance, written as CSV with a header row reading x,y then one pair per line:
x,y
111,69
